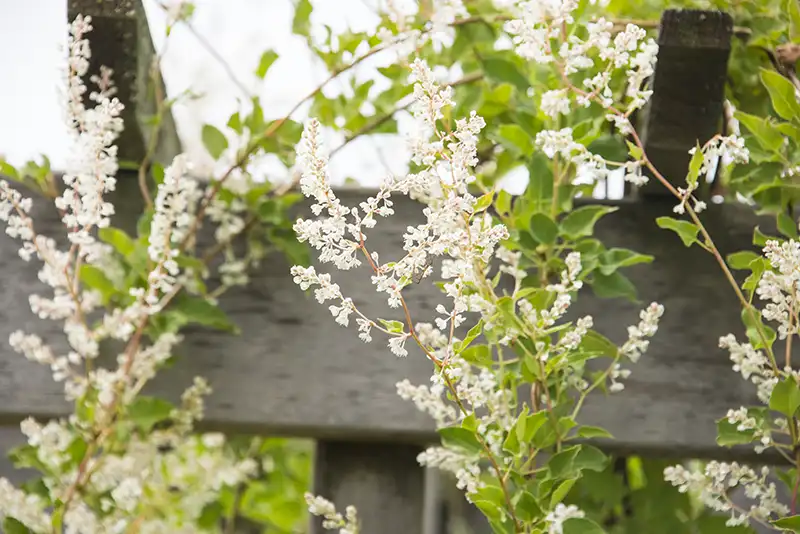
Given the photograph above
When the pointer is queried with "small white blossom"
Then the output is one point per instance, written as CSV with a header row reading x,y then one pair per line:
x,y
561,513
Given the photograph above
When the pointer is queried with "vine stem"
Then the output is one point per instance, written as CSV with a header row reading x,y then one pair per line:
x,y
712,247
271,130
440,365
709,242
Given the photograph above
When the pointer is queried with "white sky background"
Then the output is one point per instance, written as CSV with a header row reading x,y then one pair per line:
x,y
31,37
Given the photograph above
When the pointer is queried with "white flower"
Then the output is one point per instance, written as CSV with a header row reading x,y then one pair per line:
x,y
397,345
555,102
647,327
561,513
464,467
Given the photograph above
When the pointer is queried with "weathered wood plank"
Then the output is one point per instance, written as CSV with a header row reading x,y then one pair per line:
x,y
688,90
382,480
296,372
121,41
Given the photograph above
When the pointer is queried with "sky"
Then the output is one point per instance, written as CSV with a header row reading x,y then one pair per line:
x,y
31,43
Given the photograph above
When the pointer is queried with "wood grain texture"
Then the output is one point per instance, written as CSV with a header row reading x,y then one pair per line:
x,y
294,371
688,90
382,480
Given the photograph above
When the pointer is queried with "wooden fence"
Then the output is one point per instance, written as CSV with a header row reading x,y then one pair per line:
x,y
294,372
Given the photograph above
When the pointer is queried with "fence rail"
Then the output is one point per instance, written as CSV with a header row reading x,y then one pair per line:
x,y
293,371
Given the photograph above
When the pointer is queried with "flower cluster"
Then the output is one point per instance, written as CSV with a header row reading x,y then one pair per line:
x,y
779,287
438,17
713,484
333,520
90,172
108,470
538,24
340,234
752,364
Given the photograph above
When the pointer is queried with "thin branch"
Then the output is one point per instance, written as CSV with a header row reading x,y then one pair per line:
x,y
219,59
383,119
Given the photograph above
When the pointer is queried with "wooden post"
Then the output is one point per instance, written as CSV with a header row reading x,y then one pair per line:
x,y
383,481
121,41
688,90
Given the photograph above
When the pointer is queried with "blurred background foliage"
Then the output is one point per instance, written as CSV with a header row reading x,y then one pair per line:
x,y
630,496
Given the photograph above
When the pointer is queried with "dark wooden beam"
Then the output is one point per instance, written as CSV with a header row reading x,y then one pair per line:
x,y
688,90
296,372
382,480
121,41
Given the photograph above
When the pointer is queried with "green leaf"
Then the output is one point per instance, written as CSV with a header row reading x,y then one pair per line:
x,y
561,491
609,147
214,141
473,333
596,342
491,501
470,422
789,130
146,412
543,229
760,238
12,526
686,231
94,278
575,459
513,137
634,151
533,422
560,464
503,203
694,166
395,327
579,525
502,70
483,202
266,61
785,397
613,285
592,432
787,225
460,438
193,309
302,14
539,192
118,239
157,171
792,7
728,435
211,515
741,260
753,322
791,523
527,509
766,133
479,355
580,222
781,92
8,170
616,258
590,458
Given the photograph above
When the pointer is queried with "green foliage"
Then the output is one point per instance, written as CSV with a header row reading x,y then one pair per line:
x,y
629,496
686,230
214,141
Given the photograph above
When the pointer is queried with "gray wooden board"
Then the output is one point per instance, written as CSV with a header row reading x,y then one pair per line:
x,y
121,40
383,481
688,90
294,371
